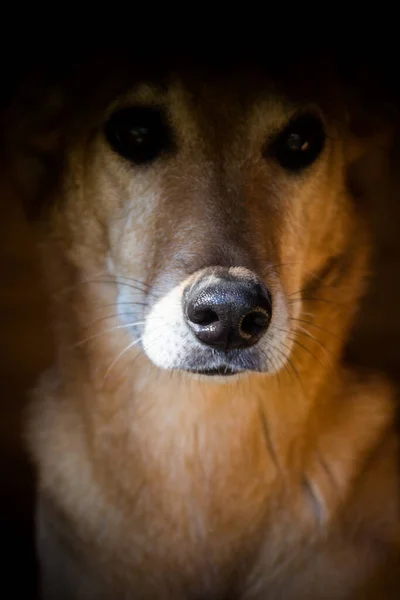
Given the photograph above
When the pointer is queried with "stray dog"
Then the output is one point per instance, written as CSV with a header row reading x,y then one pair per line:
x,y
205,248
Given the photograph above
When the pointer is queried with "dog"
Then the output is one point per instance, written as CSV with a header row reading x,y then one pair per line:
x,y
205,247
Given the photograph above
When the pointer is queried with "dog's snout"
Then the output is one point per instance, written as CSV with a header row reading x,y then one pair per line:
x,y
228,313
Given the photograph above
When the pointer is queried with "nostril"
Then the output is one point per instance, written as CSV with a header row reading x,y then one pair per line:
x,y
254,323
203,316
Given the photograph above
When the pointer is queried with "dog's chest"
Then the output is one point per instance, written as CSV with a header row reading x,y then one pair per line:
x,y
189,518
190,560
203,537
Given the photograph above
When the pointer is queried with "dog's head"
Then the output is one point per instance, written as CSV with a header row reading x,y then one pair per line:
x,y
219,205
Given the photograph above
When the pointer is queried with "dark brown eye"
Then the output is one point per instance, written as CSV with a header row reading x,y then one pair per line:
x,y
140,134
299,144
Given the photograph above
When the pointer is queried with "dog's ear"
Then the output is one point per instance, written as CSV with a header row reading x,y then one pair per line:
x,y
34,125
368,132
37,122
372,121
354,94
47,109
371,110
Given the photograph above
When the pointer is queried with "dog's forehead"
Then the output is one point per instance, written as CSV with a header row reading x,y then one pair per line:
x,y
224,99
206,81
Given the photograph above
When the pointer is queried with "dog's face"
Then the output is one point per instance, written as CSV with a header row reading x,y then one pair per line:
x,y
212,202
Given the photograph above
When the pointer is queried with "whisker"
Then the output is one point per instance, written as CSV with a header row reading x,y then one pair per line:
x,y
100,319
103,281
96,335
296,372
313,286
306,333
283,264
151,344
125,283
118,303
293,300
269,356
308,314
277,371
302,331
82,281
317,326
290,362
128,347
137,281
280,364
295,341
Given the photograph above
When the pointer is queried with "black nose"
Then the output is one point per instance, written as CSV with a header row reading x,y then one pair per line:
x,y
228,313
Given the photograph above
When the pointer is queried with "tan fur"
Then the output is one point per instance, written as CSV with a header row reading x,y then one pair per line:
x,y
154,484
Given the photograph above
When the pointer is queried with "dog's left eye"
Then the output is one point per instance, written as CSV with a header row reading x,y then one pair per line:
x,y
140,134
299,144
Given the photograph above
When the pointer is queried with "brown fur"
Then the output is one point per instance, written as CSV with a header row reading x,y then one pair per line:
x,y
156,485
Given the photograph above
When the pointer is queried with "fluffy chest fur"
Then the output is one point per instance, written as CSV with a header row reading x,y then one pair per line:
x,y
211,498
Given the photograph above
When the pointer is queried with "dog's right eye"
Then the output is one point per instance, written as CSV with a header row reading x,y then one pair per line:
x,y
140,134
300,143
